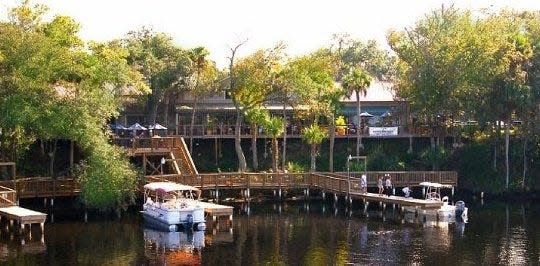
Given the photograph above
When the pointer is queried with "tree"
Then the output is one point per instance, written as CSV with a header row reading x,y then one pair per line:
x,y
53,87
312,80
203,83
256,117
163,65
357,81
314,135
231,90
254,81
274,127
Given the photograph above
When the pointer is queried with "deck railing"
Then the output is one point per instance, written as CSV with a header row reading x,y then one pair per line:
x,y
8,197
332,182
328,181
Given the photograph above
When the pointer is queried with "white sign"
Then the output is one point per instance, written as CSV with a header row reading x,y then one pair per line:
x,y
383,131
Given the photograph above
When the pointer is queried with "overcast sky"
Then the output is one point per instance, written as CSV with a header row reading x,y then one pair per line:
x,y
219,24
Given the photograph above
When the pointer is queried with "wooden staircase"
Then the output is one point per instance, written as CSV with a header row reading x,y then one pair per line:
x,y
181,158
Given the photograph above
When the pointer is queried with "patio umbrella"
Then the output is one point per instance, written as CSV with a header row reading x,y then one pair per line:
x,y
156,126
136,126
365,114
387,114
118,127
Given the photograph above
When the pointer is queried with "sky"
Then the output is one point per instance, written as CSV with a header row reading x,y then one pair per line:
x,y
220,24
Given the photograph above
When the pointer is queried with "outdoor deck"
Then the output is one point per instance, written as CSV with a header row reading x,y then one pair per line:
x,y
43,187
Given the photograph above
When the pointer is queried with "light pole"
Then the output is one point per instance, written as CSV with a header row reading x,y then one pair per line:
x,y
162,164
349,158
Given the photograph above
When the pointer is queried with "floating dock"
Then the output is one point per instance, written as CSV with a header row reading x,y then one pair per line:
x,y
409,202
217,210
23,216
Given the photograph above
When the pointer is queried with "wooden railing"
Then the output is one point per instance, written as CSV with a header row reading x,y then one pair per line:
x,y
327,181
409,178
228,131
43,187
334,182
8,197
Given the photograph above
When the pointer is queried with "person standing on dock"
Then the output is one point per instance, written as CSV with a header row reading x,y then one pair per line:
x,y
380,185
388,185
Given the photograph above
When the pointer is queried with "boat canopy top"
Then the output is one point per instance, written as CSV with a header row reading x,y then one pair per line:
x,y
168,187
435,185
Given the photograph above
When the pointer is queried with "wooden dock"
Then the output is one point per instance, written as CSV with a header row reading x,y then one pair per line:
x,y
402,201
23,216
10,211
217,210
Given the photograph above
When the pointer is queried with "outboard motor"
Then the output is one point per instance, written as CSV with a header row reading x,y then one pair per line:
x,y
189,221
461,210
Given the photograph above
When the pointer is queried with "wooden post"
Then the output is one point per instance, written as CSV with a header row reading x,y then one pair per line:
x,y
144,163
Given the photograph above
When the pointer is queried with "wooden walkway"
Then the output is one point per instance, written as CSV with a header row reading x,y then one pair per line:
x,y
402,201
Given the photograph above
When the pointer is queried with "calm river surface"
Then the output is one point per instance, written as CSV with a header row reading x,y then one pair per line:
x,y
292,233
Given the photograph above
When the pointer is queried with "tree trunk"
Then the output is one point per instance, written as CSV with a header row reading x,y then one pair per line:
x,y
284,151
242,165
332,140
192,123
71,154
52,154
506,150
359,126
254,155
275,154
153,104
166,104
313,153
524,161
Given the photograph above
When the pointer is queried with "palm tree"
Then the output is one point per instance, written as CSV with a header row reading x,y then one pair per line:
x,y
314,135
274,127
357,81
256,116
198,59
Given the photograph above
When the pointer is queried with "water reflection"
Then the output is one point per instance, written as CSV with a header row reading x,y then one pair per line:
x,y
292,233
173,248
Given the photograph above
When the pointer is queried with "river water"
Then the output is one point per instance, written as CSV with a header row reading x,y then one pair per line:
x,y
290,233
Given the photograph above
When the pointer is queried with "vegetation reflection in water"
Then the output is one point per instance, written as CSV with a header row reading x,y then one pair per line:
x,y
289,234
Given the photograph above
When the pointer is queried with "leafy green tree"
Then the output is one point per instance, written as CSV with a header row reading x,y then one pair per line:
x,y
54,87
254,81
163,65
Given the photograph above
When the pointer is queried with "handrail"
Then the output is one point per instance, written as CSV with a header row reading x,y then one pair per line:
x,y
335,182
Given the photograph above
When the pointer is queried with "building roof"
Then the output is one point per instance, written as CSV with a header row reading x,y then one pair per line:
x,y
377,92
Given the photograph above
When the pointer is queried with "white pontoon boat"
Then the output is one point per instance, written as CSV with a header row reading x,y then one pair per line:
x,y
169,205
433,192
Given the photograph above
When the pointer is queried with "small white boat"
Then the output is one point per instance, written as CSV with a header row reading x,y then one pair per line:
x,y
169,206
433,192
